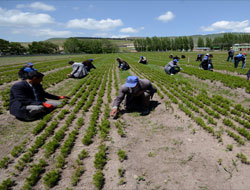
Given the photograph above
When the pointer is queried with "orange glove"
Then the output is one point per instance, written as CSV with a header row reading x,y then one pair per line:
x,y
49,106
63,97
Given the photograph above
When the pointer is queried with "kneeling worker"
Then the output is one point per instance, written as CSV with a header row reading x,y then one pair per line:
x,y
172,68
27,98
138,94
79,70
143,60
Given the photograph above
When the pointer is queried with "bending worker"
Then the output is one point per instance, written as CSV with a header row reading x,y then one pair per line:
x,y
143,60
172,68
206,63
137,92
238,58
123,65
79,70
88,64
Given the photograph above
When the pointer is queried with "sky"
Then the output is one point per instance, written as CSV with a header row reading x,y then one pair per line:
x,y
31,20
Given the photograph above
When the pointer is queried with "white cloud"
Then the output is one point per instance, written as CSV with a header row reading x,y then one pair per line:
x,y
44,32
18,18
166,17
129,30
234,26
92,24
37,6
247,30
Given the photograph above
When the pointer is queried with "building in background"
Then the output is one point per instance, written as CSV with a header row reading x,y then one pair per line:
x,y
241,47
201,49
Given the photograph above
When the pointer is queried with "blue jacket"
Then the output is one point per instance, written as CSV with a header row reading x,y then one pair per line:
x,y
29,69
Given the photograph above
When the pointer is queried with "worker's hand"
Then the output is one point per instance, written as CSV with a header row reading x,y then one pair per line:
x,y
63,97
49,106
114,112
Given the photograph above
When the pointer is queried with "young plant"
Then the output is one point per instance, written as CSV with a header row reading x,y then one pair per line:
x,y
122,155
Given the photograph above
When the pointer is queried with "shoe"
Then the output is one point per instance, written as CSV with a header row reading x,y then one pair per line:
x,y
145,112
171,74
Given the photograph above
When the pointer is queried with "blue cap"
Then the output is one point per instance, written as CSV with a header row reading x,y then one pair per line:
x,y
91,59
175,60
132,81
30,64
141,56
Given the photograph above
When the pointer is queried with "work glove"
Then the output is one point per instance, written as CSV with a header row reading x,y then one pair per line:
x,y
63,97
49,106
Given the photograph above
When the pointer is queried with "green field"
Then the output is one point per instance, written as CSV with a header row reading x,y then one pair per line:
x,y
198,129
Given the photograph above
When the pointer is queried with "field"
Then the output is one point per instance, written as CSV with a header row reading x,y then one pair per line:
x,y
196,135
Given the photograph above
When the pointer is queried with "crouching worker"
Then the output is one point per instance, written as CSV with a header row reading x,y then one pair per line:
x,y
79,70
88,64
206,63
199,57
172,68
143,60
123,65
27,98
137,93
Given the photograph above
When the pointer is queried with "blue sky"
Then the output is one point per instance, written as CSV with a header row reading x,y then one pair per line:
x,y
30,20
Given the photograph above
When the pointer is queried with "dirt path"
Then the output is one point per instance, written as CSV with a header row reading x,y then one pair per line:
x,y
164,153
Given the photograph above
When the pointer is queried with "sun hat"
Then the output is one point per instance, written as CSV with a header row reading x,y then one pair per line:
x,y
30,64
132,81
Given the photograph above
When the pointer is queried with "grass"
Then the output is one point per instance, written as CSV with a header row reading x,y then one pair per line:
x,y
124,75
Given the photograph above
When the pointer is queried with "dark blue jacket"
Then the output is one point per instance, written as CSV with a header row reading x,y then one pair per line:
x,y
21,95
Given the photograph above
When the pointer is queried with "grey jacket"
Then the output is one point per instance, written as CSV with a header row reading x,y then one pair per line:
x,y
169,66
145,86
79,70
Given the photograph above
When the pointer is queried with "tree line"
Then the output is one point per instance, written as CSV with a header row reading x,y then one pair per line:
x,y
164,44
16,48
224,42
187,43
73,45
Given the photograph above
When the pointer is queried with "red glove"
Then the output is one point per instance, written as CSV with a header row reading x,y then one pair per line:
x,y
49,106
63,97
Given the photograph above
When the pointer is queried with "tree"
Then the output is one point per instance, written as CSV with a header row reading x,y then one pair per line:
x,y
200,42
4,46
43,48
185,43
149,44
72,45
108,47
16,48
191,43
209,43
